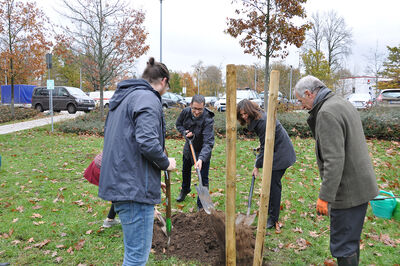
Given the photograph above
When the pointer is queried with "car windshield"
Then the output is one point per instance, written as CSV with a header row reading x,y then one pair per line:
x,y
391,94
242,94
75,91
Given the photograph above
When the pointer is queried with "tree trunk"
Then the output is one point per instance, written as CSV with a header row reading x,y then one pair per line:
x,y
12,88
100,61
267,55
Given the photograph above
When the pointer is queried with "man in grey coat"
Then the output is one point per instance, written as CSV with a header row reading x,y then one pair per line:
x,y
348,178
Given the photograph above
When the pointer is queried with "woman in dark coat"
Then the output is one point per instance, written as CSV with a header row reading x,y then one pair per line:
x,y
250,114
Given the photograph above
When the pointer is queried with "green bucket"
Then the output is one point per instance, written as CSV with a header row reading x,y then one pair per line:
x,y
383,208
396,212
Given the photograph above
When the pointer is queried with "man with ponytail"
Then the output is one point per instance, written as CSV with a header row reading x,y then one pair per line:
x,y
133,157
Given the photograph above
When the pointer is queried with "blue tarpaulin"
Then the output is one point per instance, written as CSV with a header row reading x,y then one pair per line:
x,y
22,93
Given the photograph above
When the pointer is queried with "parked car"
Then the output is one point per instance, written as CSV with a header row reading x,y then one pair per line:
x,y
188,100
95,95
281,98
183,100
64,98
389,97
210,100
170,99
360,100
249,94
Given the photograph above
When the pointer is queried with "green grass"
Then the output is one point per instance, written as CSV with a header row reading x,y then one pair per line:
x,y
50,213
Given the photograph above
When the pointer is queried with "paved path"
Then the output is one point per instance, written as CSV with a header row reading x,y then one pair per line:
x,y
37,123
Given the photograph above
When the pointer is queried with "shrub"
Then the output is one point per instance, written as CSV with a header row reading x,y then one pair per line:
x,y
381,123
20,113
90,123
377,123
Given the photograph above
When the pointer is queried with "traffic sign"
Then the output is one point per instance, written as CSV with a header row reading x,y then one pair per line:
x,y
50,84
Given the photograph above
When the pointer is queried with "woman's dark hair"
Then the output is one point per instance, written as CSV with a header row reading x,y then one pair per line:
x,y
250,108
154,71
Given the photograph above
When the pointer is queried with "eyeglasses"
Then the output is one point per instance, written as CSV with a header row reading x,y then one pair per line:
x,y
197,109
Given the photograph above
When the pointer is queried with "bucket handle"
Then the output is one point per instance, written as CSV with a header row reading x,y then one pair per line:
x,y
394,202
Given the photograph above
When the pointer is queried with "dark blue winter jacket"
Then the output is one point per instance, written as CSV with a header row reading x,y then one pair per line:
x,y
133,153
203,129
284,154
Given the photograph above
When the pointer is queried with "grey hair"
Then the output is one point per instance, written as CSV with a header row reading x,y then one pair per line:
x,y
310,83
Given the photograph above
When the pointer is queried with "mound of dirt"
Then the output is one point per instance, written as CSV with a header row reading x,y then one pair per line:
x,y
201,237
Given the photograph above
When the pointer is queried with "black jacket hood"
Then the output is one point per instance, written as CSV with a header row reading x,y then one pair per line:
x,y
126,87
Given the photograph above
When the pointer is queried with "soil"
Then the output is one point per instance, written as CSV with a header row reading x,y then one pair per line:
x,y
201,237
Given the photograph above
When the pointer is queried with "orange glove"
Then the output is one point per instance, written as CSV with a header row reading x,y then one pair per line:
x,y
322,207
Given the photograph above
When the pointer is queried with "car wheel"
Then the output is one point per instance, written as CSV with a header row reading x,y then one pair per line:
x,y
39,107
165,107
71,108
106,105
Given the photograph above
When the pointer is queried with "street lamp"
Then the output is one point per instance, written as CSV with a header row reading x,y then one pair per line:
x,y
290,85
198,80
160,30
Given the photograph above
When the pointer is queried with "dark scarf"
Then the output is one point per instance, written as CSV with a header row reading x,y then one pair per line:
x,y
322,95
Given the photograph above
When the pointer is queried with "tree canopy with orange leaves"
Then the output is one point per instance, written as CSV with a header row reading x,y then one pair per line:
x,y
23,42
109,35
266,28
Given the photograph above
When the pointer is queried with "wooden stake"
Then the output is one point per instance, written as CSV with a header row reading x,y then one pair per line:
x,y
230,232
267,166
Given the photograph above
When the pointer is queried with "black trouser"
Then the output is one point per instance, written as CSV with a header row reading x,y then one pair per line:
x,y
111,213
187,175
346,227
275,195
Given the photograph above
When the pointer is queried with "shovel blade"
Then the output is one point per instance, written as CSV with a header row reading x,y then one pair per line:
x,y
244,219
205,199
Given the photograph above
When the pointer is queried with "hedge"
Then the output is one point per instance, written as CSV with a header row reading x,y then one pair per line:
x,y
377,123
21,113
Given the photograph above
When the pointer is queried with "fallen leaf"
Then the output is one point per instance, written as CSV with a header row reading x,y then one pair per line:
x,y
88,232
15,220
30,240
329,262
80,244
36,215
59,259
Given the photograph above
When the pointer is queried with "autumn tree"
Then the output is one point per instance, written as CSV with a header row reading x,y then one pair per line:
x,y
198,70
212,80
188,83
374,65
109,35
316,65
66,65
329,35
288,78
391,69
23,42
267,28
175,82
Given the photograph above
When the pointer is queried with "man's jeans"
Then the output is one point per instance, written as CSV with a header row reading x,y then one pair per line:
x,y
137,225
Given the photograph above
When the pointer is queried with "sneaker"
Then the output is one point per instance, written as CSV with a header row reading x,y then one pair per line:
x,y
110,222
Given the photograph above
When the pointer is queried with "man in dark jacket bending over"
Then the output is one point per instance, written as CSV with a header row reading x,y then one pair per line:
x,y
197,123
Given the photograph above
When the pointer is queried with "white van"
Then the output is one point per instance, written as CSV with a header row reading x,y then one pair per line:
x,y
95,95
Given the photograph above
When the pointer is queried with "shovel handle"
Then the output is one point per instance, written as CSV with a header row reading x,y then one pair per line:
x,y
194,160
250,195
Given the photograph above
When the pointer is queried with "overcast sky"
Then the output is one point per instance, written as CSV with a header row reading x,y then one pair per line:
x,y
193,30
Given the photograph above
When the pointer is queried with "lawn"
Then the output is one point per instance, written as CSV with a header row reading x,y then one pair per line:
x,y
49,214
